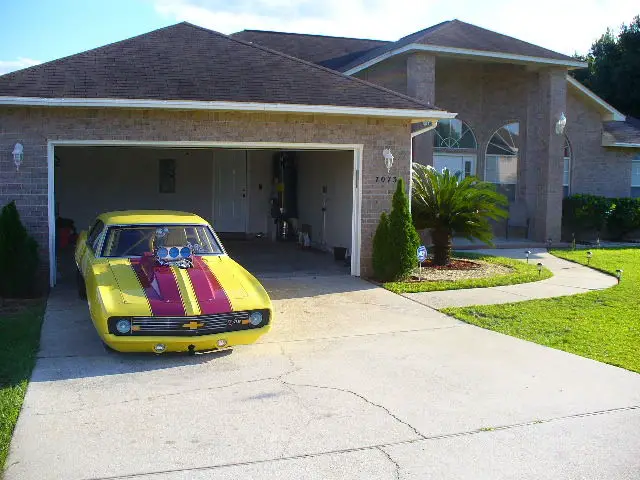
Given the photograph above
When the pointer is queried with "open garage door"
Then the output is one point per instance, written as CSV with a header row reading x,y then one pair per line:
x,y
279,211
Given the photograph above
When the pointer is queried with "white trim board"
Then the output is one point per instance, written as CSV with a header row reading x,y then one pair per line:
x,y
465,52
357,149
416,115
612,113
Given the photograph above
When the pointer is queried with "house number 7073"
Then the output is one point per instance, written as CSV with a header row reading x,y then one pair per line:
x,y
386,179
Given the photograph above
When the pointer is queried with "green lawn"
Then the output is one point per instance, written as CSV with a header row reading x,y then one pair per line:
x,y
603,325
522,273
19,340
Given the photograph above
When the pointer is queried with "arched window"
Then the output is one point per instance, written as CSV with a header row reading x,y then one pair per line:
x,y
454,134
566,176
501,160
454,147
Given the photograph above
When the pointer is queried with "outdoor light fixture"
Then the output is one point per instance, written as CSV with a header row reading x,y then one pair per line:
x,y
527,253
388,158
589,255
619,274
598,242
561,124
18,155
539,268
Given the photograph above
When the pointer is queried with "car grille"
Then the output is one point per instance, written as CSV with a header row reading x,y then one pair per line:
x,y
190,326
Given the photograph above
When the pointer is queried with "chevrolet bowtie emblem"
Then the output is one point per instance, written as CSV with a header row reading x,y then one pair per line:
x,y
193,325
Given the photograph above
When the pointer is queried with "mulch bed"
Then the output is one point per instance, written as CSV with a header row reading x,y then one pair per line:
x,y
454,264
457,269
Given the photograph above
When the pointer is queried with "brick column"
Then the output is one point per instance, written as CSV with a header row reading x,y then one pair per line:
x,y
543,153
421,84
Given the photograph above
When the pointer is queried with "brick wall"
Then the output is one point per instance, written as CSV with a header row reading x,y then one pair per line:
x,y
34,127
595,169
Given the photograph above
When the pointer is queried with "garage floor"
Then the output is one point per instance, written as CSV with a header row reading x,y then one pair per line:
x,y
265,259
353,382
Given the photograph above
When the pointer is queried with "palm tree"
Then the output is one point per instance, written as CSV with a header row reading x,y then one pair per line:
x,y
447,205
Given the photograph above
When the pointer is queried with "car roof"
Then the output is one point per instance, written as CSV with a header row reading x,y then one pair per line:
x,y
132,217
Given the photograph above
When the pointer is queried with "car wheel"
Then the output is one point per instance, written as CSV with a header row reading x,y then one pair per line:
x,y
82,288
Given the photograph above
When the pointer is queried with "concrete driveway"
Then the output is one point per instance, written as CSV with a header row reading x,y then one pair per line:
x,y
353,382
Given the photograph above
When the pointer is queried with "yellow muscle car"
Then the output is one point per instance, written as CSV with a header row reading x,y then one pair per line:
x,y
160,281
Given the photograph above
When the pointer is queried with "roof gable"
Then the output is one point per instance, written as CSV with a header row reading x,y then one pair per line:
x,y
457,37
190,63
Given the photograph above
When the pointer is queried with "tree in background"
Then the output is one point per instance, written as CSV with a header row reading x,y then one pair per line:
x,y
613,71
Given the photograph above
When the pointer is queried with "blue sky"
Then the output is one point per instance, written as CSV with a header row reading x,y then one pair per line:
x,y
36,31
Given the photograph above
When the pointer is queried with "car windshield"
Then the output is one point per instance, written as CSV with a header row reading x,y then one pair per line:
x,y
135,240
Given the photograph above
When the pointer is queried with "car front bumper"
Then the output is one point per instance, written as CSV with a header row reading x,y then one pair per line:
x,y
134,343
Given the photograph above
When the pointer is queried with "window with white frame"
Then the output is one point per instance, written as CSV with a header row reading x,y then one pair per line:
x,y
454,134
501,160
566,176
635,171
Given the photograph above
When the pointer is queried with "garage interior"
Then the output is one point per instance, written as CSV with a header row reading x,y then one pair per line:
x,y
277,212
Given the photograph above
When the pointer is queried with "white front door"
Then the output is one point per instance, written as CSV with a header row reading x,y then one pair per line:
x,y
230,192
464,164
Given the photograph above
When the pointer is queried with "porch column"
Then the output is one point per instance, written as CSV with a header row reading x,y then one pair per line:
x,y
421,84
547,100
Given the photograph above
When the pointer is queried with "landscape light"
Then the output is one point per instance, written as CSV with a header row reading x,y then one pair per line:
x,y
619,274
539,268
589,255
527,253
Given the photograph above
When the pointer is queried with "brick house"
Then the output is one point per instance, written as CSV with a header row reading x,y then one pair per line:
x,y
190,119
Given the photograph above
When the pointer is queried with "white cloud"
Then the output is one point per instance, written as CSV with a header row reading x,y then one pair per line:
x,y
565,26
7,66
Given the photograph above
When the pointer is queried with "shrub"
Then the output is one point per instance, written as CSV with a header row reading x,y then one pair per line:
x,y
404,237
624,217
382,250
396,241
18,255
585,213
447,205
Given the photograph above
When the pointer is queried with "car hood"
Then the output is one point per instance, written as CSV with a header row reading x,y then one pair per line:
x,y
210,286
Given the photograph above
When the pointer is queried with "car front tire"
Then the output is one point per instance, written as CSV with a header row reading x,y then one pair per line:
x,y
82,288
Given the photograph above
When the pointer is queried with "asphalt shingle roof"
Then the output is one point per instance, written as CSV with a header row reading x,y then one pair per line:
x,y
349,52
187,62
330,52
624,132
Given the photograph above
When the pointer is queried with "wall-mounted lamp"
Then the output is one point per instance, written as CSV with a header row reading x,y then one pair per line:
x,y
18,155
561,124
388,158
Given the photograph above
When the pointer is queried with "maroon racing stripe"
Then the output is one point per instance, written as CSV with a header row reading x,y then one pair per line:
x,y
160,286
211,296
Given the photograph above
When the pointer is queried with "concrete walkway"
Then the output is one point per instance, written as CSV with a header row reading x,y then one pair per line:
x,y
568,279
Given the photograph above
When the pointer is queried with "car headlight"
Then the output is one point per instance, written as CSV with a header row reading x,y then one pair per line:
x,y
255,318
123,325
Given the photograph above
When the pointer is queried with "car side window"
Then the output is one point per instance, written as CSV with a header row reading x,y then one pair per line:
x,y
93,235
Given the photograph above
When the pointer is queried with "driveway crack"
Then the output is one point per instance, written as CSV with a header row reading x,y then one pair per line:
x,y
365,399
390,458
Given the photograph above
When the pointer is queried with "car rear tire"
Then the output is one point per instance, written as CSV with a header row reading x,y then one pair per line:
x,y
82,288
